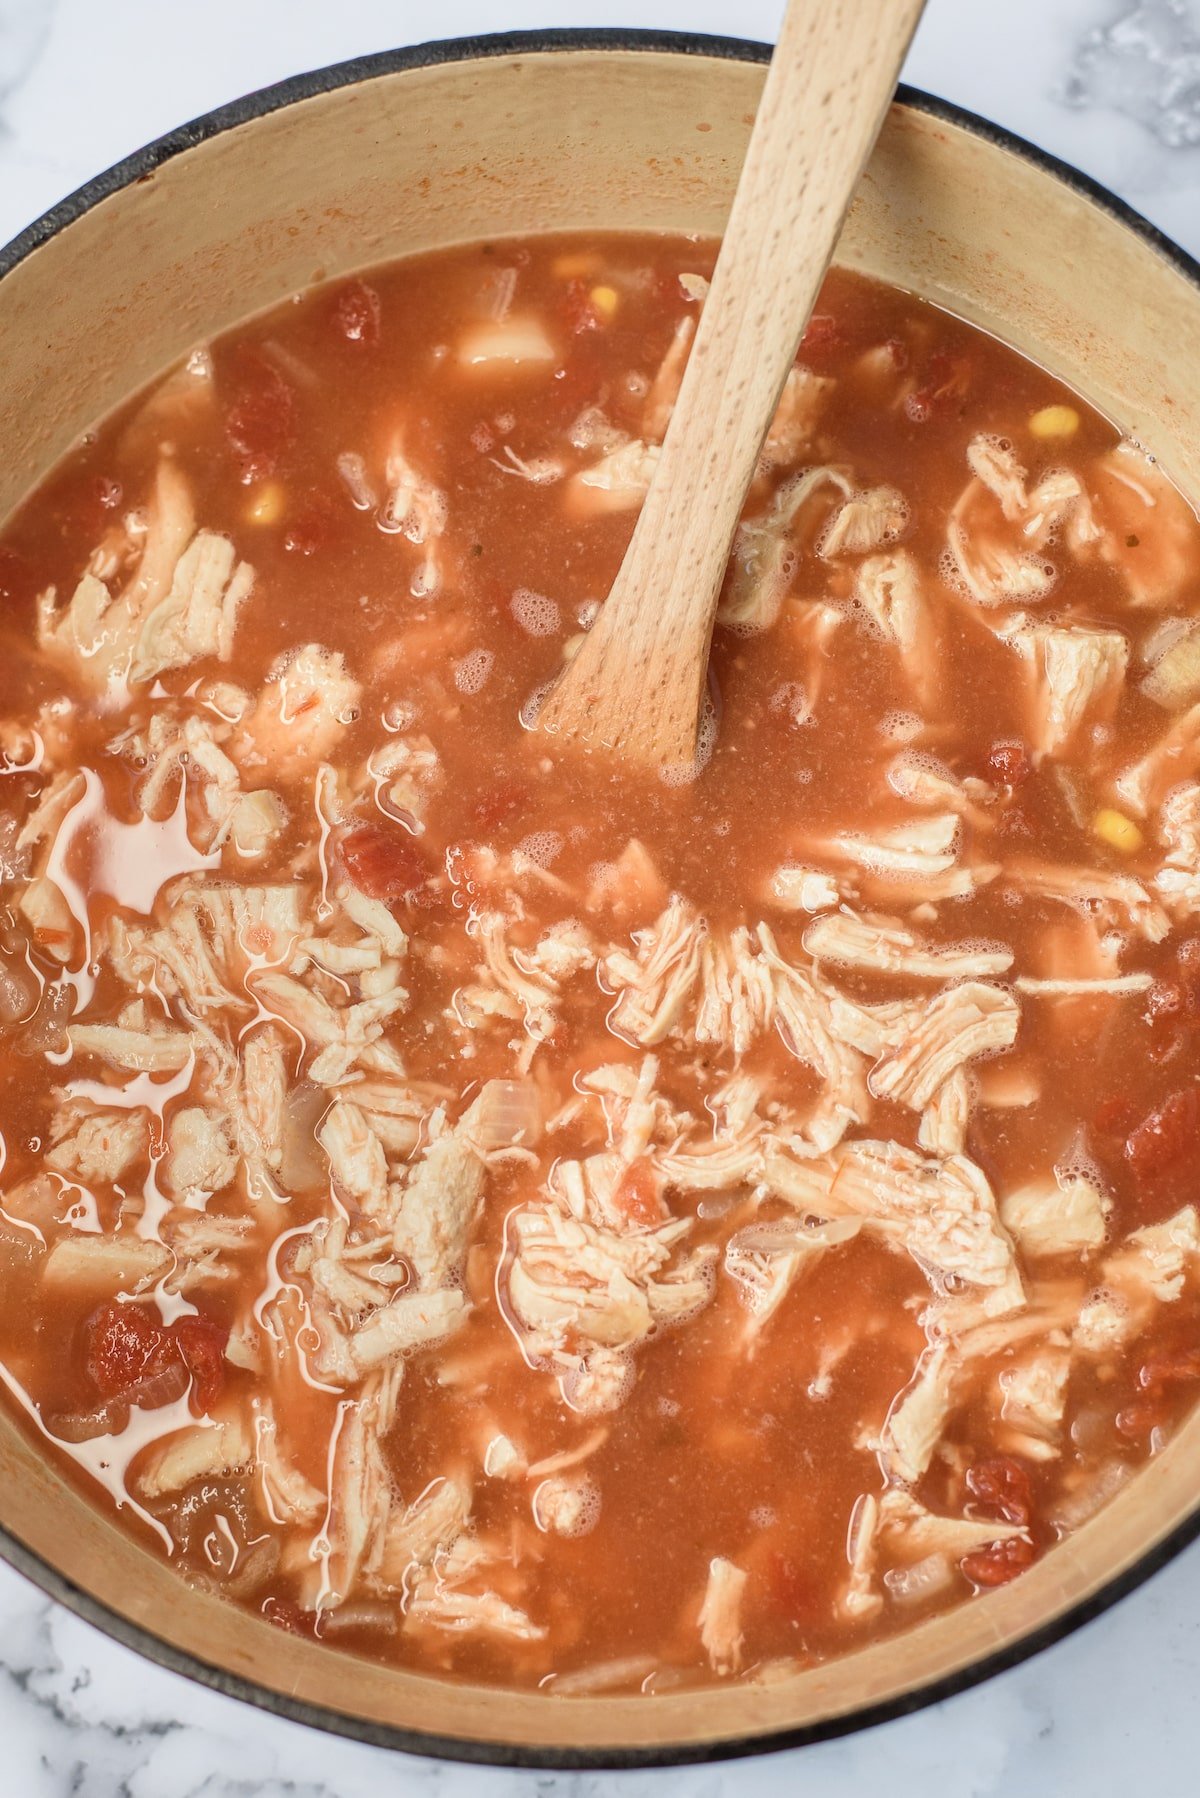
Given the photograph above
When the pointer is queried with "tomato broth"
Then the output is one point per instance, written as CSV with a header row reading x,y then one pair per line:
x,y
483,1206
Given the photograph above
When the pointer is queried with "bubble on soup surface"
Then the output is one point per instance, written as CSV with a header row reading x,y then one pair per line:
x,y
763,1517
683,773
528,714
950,573
536,614
471,673
902,727
542,847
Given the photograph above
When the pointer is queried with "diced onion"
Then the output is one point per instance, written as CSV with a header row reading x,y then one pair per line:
x,y
111,1416
509,1114
924,1579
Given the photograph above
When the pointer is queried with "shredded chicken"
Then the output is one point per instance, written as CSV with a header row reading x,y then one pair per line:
x,y
720,1616
1063,1214
764,550
653,985
1174,758
207,1450
887,588
960,1023
417,510
1075,676
885,946
1147,1270
918,1416
171,600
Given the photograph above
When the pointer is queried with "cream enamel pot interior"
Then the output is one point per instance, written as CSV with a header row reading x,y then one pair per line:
x,y
484,139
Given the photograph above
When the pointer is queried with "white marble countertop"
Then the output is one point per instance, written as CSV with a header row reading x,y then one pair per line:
x,y
1105,84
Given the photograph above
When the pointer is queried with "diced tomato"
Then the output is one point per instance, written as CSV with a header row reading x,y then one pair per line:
x,y
201,1343
125,1344
947,381
1002,1562
312,525
1009,763
1166,1136
1000,1487
358,314
383,863
638,1197
823,337
260,421
578,311
500,803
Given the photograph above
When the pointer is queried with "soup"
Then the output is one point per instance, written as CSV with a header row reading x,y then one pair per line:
x,y
489,1208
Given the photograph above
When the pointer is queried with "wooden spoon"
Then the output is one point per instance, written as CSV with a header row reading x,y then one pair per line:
x,y
638,681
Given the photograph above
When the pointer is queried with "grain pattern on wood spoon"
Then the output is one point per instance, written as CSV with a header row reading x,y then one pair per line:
x,y
638,682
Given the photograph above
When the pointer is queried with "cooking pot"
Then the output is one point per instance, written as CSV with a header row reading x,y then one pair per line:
x,y
481,139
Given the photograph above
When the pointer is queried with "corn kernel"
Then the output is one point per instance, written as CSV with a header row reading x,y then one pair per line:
x,y
576,265
1117,830
1055,421
266,504
605,300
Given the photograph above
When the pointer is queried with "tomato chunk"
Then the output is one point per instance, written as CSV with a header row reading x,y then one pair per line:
x,y
125,1344
201,1344
1001,1487
260,422
383,864
1002,1562
1166,1136
823,337
312,526
1009,763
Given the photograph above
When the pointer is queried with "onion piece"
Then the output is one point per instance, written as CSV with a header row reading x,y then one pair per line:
x,y
112,1415
924,1579
509,1114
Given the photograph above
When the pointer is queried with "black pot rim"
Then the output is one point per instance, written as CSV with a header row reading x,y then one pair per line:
x,y
413,1741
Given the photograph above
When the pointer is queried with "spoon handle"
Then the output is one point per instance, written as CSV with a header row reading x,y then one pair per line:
x,y
638,681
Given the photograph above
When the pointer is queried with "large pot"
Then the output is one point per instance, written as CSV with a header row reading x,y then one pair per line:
x,y
481,139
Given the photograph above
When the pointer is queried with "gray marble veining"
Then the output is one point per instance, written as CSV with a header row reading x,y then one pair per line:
x,y
1146,64
1111,86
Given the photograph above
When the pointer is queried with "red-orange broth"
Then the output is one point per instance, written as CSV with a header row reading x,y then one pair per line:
x,y
484,1207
